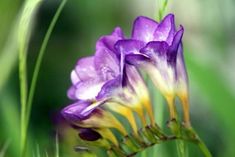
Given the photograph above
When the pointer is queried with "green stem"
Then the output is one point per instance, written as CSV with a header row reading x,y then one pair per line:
x,y
192,135
23,92
162,9
39,60
181,148
204,148
26,104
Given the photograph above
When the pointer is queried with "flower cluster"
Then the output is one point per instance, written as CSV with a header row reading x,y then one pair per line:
x,y
111,80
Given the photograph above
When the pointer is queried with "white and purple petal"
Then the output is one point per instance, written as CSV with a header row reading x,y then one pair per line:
x,y
107,64
110,88
88,89
72,112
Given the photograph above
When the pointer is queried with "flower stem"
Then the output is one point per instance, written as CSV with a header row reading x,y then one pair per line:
x,y
193,136
40,56
26,100
204,149
181,148
162,9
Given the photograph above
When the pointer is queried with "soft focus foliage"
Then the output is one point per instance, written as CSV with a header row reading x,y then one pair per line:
x,y
209,52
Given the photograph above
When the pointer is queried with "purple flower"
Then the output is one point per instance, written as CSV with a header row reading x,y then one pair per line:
x,y
104,82
94,80
156,48
95,74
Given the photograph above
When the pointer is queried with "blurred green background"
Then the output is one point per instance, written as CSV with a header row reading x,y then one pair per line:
x,y
209,48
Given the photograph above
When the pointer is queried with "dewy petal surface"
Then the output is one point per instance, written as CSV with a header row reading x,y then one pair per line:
x,y
143,29
85,68
107,63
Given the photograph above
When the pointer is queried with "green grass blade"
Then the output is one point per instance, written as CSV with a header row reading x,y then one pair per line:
x,y
4,148
38,151
39,59
10,119
57,154
8,39
26,23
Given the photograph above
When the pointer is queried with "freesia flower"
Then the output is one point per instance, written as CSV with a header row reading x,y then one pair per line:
x,y
104,82
156,48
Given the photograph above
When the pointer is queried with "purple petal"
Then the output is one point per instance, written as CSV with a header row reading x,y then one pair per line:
x,y
133,76
106,59
165,30
89,89
155,49
72,113
106,64
143,29
173,49
137,59
108,41
109,88
88,134
129,46
180,66
85,69
71,93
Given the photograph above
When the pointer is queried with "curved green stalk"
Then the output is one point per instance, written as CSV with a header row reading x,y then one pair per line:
x,y
162,9
26,103
25,25
40,56
204,149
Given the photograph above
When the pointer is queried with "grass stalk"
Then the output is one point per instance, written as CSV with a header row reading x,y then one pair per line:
x,y
26,22
204,149
40,57
4,148
57,154
26,100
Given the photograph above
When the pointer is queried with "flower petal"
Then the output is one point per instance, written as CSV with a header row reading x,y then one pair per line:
x,y
89,89
129,46
71,93
137,59
73,112
74,77
173,49
108,41
160,70
106,64
156,50
85,69
181,73
165,30
109,88
143,29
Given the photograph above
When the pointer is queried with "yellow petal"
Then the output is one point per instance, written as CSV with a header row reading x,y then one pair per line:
x,y
107,134
125,112
102,119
